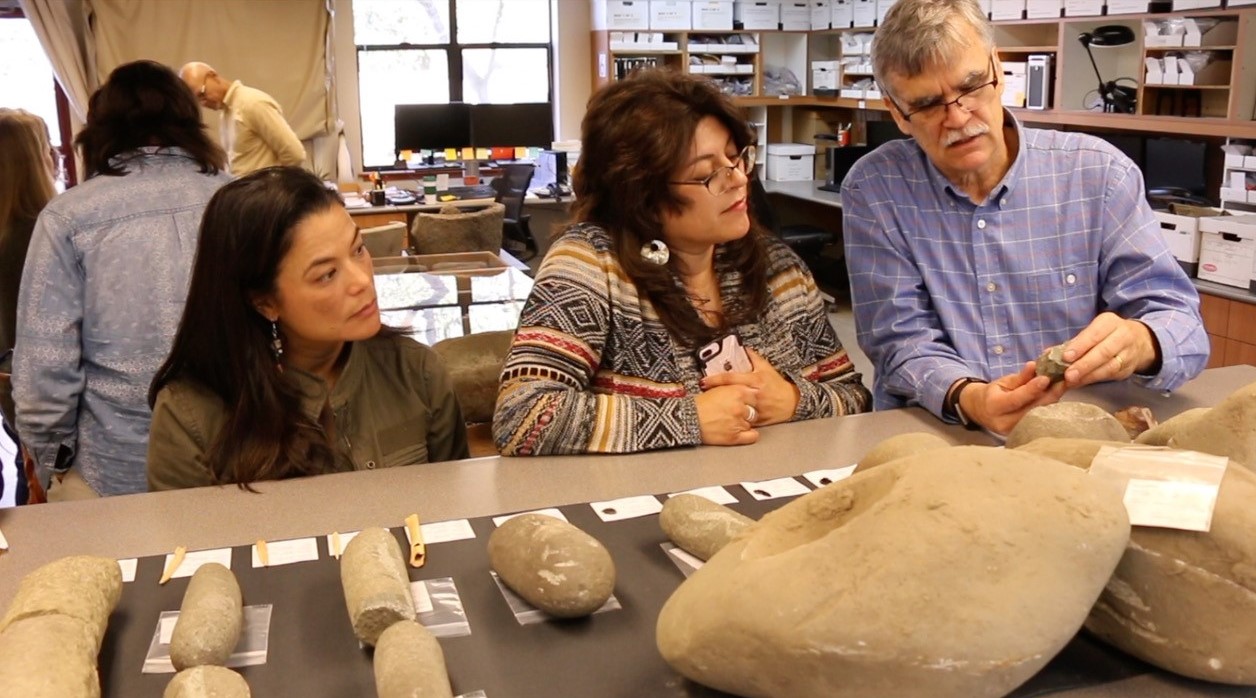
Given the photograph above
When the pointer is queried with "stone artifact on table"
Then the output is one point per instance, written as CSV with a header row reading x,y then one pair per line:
x,y
1228,429
207,681
211,619
51,633
1137,420
409,663
1080,420
699,526
1184,601
376,583
956,572
900,446
1162,433
1051,363
553,565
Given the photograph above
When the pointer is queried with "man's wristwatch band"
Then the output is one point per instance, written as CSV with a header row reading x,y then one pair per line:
x,y
951,405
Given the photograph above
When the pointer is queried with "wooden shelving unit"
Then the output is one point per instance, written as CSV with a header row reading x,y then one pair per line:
x,y
1226,110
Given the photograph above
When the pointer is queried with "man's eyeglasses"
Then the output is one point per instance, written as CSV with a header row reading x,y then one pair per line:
x,y
968,100
721,179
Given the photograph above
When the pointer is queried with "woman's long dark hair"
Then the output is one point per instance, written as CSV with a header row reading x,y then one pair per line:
x,y
636,133
223,342
144,103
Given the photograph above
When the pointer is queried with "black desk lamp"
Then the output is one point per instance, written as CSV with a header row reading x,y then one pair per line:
x,y
1117,98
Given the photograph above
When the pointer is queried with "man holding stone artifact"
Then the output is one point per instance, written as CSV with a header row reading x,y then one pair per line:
x,y
978,244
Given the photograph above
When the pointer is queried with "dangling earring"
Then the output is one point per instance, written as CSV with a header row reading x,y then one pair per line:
x,y
655,252
276,345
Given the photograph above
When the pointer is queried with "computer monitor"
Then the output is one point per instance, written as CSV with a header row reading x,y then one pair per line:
x,y
1177,163
512,125
431,126
883,131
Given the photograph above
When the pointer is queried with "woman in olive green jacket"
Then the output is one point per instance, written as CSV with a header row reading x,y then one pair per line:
x,y
281,367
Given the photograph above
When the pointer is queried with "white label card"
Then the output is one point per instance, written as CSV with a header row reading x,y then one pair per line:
x,y
422,599
499,520
1162,487
773,489
627,508
128,569
719,495
344,538
4,542
821,478
1184,505
444,531
286,552
193,561
165,628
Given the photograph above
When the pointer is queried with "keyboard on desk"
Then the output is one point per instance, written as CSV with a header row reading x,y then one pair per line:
x,y
479,191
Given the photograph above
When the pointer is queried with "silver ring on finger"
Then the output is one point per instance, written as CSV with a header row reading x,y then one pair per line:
x,y
752,414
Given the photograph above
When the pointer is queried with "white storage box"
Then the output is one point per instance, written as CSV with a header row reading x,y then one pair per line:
x,y
1179,5
1227,250
756,15
864,12
843,14
1126,7
821,14
712,15
1014,85
1044,9
619,15
671,15
1007,9
791,162
795,16
825,77
883,8
1181,234
1083,8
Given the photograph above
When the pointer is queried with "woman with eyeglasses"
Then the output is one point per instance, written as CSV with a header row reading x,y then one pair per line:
x,y
664,316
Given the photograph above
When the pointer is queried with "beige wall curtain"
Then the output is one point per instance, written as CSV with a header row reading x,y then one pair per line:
x,y
66,36
277,46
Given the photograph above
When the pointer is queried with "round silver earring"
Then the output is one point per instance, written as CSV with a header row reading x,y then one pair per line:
x,y
656,252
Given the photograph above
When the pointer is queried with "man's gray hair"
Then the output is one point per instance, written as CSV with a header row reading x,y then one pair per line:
x,y
919,34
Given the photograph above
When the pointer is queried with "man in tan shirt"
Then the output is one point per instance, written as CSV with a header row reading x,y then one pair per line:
x,y
254,131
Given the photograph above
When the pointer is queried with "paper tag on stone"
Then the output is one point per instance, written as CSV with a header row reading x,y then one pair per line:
x,y
773,489
128,566
1163,487
715,493
499,520
822,478
627,508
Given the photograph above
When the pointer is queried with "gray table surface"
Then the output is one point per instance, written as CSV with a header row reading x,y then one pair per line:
x,y
154,523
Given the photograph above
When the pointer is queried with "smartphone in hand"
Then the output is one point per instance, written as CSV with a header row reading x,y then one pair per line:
x,y
724,355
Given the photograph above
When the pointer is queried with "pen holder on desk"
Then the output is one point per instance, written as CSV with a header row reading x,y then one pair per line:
x,y
471,173
430,187
378,198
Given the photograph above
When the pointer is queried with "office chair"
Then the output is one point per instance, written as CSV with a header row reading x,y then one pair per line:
x,y
386,240
805,240
512,187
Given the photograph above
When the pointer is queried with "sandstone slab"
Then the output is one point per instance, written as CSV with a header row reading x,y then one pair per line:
x,y
1184,601
956,572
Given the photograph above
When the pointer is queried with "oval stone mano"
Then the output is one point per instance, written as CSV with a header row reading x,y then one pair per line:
x,y
553,565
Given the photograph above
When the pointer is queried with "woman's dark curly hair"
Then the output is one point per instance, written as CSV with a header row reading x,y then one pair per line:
x,y
636,133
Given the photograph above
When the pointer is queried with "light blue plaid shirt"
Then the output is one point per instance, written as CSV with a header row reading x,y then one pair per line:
x,y
102,293
944,288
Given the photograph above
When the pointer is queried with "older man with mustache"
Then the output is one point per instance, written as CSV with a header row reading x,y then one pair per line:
x,y
978,243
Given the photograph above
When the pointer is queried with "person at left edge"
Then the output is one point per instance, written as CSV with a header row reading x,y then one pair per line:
x,y
105,279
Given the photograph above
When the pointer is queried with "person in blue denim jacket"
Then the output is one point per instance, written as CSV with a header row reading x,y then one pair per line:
x,y
105,281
